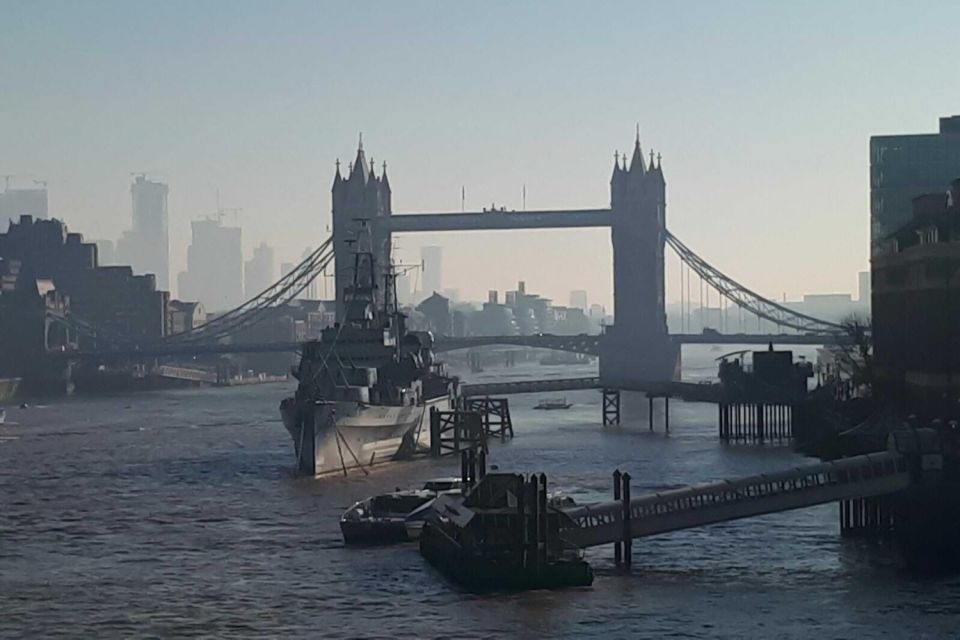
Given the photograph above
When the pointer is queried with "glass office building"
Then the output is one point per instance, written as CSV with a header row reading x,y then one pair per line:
x,y
905,166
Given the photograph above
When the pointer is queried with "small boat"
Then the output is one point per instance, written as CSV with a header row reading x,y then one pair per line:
x,y
394,517
551,404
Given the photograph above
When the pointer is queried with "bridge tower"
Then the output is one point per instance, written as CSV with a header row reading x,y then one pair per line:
x,y
637,346
360,197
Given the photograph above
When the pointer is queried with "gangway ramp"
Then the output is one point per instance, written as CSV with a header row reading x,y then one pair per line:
x,y
856,477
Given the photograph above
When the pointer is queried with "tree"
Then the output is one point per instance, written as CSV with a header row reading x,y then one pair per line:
x,y
854,356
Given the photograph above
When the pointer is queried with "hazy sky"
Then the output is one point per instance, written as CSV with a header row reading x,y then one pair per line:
x,y
762,111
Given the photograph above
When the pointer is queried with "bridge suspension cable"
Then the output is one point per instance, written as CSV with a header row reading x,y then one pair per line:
x,y
253,310
745,298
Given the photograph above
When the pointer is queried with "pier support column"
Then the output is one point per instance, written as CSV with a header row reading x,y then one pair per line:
x,y
666,414
617,548
650,403
627,539
761,411
611,407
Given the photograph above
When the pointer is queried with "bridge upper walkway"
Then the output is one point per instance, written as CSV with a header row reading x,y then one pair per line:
x,y
856,477
491,220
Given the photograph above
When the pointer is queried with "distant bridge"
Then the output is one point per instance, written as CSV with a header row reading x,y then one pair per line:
x,y
590,344
585,344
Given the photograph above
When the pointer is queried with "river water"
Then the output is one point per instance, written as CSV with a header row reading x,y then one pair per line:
x,y
177,514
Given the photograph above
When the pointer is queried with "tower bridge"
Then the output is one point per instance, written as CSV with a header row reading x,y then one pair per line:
x,y
637,348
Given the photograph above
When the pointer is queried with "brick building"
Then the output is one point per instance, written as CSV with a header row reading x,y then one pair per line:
x,y
112,299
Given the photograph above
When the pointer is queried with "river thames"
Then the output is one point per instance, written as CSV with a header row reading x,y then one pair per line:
x,y
178,513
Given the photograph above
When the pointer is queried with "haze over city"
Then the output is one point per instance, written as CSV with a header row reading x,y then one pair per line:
x,y
505,319
761,111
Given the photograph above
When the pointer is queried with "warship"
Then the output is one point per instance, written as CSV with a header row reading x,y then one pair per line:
x,y
366,387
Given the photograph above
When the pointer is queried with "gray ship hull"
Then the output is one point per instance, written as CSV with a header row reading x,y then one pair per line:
x,y
348,436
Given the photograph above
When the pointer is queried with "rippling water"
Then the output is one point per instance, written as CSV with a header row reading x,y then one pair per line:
x,y
176,513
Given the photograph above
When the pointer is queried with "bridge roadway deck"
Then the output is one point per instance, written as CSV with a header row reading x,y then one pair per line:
x,y
587,344
856,477
493,220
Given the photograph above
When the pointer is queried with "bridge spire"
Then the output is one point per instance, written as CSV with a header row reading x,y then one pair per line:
x,y
359,166
636,162
616,166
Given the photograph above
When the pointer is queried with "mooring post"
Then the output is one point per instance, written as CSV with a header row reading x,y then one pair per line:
x,y
434,433
457,427
617,556
544,521
522,520
627,540
650,403
666,413
761,411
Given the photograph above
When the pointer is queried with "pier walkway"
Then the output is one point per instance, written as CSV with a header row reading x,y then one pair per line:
x,y
689,391
849,478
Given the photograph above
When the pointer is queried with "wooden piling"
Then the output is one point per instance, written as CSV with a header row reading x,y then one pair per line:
x,y
650,402
543,525
617,555
627,540
761,410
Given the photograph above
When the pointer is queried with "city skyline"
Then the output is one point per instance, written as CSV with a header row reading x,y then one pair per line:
x,y
747,159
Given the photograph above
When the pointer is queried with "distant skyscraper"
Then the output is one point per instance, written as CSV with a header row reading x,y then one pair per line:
x,y
906,166
105,251
214,274
578,299
146,246
432,270
863,286
310,292
403,289
19,202
258,271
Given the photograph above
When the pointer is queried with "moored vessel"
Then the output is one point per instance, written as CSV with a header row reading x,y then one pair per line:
x,y
367,386
552,404
393,517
